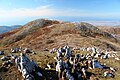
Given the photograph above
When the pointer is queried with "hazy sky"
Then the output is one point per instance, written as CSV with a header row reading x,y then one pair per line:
x,y
21,11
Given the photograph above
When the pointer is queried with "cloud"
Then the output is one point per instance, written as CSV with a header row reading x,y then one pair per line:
x,y
48,10
26,12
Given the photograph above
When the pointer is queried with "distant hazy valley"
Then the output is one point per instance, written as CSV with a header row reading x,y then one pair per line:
x,y
8,28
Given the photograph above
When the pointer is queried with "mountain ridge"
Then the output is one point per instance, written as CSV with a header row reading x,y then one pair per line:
x,y
44,33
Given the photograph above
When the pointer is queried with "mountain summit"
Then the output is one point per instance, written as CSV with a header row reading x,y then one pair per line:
x,y
42,33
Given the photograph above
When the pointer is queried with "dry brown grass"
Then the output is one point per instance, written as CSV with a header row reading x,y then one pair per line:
x,y
55,36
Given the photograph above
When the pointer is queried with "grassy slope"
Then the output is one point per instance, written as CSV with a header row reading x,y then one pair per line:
x,y
55,36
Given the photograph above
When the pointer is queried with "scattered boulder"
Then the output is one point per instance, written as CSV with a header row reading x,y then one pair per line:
x,y
8,63
5,58
2,52
26,50
109,73
15,50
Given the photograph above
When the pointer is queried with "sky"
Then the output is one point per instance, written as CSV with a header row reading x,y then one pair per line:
x,y
14,12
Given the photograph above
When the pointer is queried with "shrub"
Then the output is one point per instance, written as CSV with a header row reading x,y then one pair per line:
x,y
49,41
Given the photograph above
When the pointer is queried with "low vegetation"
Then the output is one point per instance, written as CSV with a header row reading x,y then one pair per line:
x,y
41,34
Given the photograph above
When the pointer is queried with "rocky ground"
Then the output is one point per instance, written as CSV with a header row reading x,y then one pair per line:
x,y
44,34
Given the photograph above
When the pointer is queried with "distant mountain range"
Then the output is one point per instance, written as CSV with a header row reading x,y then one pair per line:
x,y
104,23
4,29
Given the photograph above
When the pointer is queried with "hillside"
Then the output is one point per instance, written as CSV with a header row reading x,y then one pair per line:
x,y
113,30
41,34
